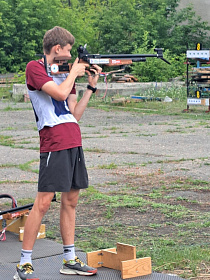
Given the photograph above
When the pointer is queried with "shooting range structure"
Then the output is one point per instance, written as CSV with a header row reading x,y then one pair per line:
x,y
198,78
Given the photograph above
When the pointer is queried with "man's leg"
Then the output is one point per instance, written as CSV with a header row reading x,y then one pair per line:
x,y
33,222
71,265
31,229
67,215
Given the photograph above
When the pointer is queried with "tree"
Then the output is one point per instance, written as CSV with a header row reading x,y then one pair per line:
x,y
186,30
75,20
122,25
22,26
6,29
107,26
155,69
118,27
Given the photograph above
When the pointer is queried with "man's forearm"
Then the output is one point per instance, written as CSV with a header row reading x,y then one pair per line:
x,y
60,92
67,85
80,107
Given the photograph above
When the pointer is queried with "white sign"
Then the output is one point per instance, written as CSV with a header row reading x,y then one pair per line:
x,y
204,54
193,101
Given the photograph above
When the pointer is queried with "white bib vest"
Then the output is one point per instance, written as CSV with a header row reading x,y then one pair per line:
x,y
48,111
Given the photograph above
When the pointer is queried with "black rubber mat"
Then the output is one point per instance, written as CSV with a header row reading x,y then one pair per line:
x,y
11,248
47,261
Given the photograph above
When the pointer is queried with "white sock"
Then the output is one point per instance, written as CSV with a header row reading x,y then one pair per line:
x,y
25,256
68,252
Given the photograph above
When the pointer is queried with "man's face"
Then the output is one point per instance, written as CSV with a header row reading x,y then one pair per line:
x,y
64,52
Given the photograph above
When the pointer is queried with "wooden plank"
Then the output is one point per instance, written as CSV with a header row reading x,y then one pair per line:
x,y
137,267
123,258
14,227
94,259
42,232
126,252
114,250
205,102
111,260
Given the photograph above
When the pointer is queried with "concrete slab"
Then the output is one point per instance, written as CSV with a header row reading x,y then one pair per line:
x,y
16,175
17,156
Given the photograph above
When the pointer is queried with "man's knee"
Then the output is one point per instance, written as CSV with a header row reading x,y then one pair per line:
x,y
43,201
70,199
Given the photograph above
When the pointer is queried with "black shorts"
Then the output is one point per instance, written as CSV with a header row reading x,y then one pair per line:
x,y
60,171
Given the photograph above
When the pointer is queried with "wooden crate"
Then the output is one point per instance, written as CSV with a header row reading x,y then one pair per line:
x,y
122,258
17,224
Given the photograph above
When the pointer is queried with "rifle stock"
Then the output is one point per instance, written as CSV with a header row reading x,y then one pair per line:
x,y
18,211
11,216
60,68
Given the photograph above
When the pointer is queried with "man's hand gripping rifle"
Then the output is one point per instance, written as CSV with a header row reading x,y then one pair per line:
x,y
103,59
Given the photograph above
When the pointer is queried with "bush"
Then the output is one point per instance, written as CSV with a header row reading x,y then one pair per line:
x,y
156,69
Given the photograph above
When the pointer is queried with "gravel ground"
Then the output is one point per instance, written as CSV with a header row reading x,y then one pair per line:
x,y
147,143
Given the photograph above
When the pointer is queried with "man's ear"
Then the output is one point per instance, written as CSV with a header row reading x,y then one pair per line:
x,y
57,48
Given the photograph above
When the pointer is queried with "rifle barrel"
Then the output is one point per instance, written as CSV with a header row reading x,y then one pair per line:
x,y
16,209
165,60
86,56
121,56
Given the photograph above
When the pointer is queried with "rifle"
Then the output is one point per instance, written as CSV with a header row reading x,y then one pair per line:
x,y
13,214
16,212
101,59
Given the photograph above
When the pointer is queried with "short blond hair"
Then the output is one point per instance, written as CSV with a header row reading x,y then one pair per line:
x,y
57,36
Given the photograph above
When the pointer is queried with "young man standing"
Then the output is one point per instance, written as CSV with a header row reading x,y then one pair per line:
x,y
62,166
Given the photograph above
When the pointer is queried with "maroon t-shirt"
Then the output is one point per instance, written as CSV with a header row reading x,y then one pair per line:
x,y
61,136
36,75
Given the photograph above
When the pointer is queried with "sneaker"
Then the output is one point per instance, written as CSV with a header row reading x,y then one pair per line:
x,y
77,267
25,272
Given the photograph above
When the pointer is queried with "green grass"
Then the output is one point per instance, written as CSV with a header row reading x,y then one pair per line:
x,y
24,201
10,142
5,93
6,141
183,246
169,256
94,150
176,238
28,166
176,107
108,166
